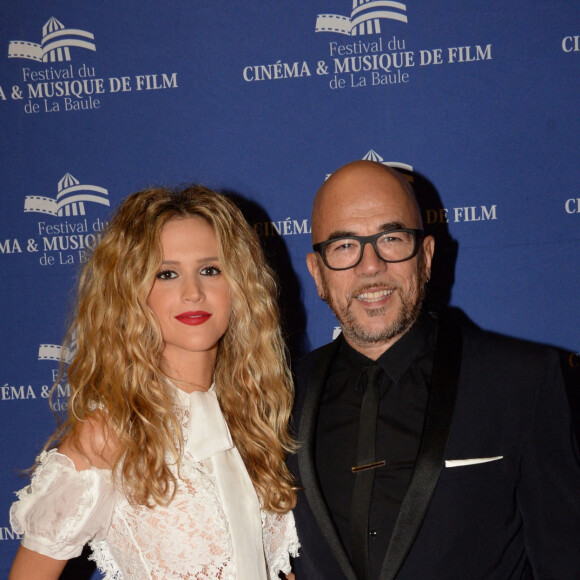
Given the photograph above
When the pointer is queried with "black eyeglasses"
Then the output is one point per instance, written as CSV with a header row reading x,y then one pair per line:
x,y
390,246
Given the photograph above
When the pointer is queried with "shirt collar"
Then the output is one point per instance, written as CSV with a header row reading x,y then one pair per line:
x,y
397,359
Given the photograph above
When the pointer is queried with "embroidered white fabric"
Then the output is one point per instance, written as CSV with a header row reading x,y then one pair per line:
x,y
62,509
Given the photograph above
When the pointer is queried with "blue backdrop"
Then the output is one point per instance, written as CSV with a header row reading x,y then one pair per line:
x,y
477,102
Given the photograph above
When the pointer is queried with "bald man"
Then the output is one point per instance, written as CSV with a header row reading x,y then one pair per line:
x,y
427,451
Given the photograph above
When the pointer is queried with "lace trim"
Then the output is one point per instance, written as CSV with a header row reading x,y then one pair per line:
x,y
280,541
104,560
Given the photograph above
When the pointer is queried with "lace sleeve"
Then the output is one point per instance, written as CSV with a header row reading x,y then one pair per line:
x,y
62,508
280,541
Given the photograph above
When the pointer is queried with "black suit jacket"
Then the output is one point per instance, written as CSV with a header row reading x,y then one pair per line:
x,y
516,515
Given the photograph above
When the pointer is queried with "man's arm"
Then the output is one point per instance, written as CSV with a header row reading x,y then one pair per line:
x,y
549,488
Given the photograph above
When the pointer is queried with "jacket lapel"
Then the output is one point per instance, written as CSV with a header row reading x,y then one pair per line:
x,y
308,475
431,455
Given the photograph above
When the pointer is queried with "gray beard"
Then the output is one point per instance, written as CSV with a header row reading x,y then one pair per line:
x,y
356,333
360,336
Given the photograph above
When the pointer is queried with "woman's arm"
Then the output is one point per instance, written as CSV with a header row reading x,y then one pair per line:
x,y
63,485
29,565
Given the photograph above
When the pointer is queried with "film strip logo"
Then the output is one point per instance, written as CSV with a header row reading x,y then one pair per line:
x,y
55,352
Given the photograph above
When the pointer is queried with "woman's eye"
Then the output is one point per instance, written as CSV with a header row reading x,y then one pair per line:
x,y
210,271
166,275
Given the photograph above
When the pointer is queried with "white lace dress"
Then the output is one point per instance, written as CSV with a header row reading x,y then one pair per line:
x,y
214,527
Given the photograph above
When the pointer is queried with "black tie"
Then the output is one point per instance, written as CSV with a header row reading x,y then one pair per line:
x,y
364,474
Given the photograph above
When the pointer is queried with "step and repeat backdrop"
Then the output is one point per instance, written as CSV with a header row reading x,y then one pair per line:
x,y
477,103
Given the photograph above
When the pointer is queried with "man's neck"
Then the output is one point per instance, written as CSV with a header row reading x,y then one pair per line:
x,y
373,350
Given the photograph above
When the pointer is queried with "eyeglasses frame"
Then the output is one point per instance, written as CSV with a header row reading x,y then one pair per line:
x,y
418,235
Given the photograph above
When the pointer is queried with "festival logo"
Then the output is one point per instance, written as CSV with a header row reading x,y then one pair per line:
x,y
365,18
57,42
68,240
366,49
70,198
49,82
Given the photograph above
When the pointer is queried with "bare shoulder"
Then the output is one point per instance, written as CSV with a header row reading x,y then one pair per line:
x,y
97,445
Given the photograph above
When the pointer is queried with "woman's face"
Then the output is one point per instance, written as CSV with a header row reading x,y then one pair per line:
x,y
190,296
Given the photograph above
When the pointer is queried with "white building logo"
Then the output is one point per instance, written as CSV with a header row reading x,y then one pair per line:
x,y
365,17
55,45
70,198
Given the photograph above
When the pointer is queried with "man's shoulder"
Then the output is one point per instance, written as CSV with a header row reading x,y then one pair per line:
x,y
308,363
310,371
481,343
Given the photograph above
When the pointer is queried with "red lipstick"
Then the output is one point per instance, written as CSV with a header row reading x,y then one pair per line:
x,y
193,318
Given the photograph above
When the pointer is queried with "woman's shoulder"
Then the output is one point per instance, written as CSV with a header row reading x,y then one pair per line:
x,y
63,507
93,443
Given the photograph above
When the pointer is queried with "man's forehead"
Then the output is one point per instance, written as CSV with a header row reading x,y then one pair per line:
x,y
357,180
355,230
350,205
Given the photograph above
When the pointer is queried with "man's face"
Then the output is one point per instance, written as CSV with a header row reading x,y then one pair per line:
x,y
375,302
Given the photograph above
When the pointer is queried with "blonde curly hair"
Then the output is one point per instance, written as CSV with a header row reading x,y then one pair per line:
x,y
117,367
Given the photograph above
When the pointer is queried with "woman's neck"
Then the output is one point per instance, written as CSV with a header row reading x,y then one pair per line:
x,y
188,386
193,372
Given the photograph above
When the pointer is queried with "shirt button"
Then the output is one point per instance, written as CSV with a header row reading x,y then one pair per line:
x,y
372,533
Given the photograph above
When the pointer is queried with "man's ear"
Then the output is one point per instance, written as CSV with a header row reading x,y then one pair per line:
x,y
428,251
313,264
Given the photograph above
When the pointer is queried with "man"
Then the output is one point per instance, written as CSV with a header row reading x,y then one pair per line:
x,y
427,451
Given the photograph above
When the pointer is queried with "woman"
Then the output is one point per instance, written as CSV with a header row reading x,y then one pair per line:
x,y
171,461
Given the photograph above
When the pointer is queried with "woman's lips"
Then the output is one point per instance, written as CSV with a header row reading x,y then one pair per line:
x,y
193,318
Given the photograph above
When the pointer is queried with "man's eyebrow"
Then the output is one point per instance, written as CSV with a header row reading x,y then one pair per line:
x,y
391,226
382,228
341,234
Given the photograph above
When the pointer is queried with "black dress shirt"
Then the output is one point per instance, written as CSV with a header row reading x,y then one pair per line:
x,y
403,388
